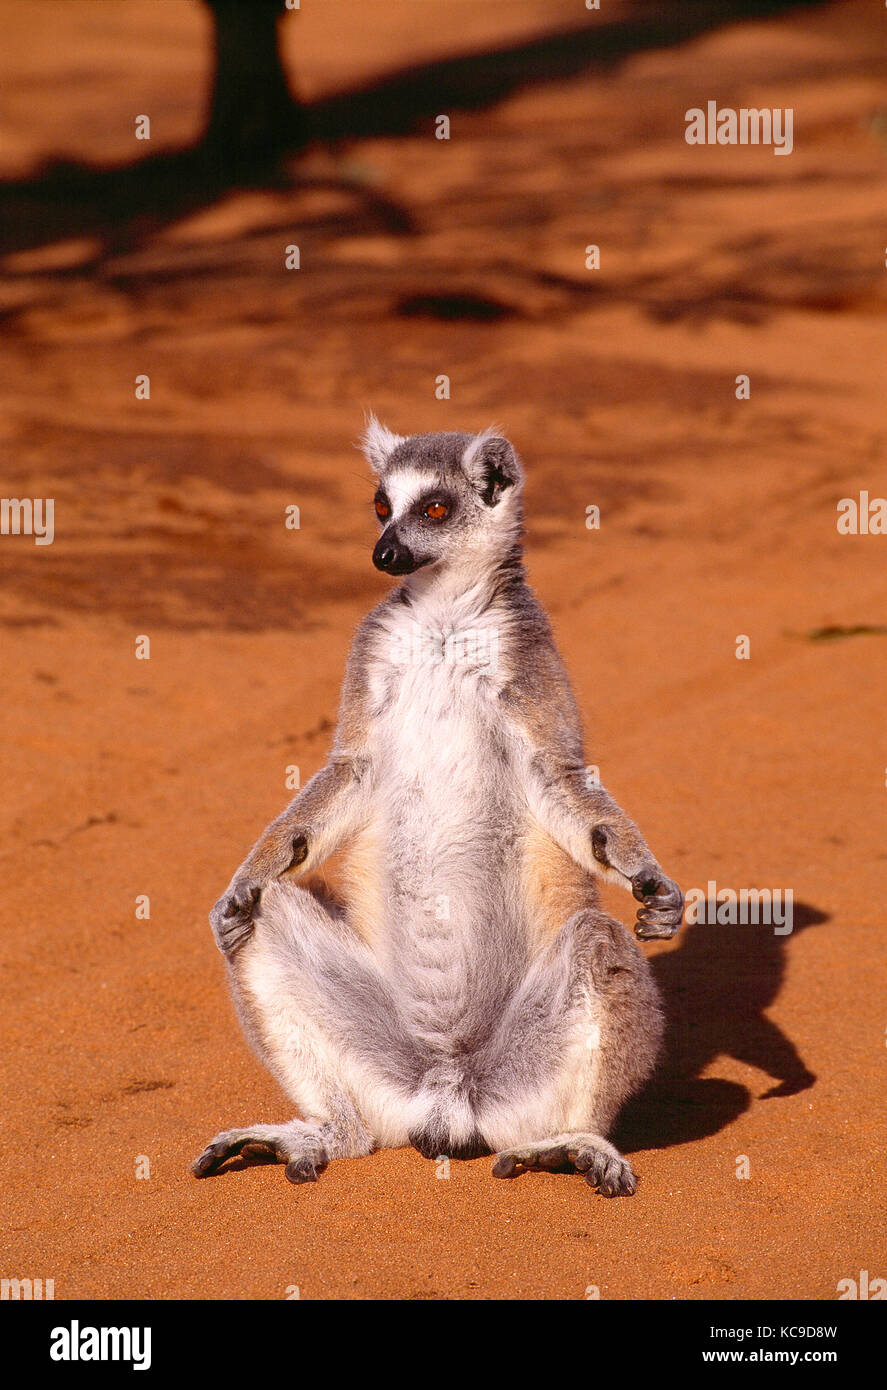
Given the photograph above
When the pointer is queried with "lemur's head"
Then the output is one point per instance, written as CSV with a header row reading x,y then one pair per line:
x,y
443,499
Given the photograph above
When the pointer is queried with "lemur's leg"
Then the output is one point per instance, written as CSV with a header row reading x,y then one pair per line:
x,y
318,1012
579,1037
316,823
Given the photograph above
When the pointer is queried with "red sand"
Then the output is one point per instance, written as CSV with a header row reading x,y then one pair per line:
x,y
129,777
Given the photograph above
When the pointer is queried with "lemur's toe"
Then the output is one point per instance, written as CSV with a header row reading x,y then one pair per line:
x,y
553,1159
260,1148
209,1161
302,1170
603,1166
611,1175
233,1144
302,1152
506,1166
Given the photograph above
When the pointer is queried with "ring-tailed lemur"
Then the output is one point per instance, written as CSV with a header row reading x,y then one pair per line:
x,y
470,997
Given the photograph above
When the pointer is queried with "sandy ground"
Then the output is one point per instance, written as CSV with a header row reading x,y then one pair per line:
x,y
127,777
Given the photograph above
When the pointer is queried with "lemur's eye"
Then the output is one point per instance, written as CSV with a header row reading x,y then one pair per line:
x,y
382,508
436,510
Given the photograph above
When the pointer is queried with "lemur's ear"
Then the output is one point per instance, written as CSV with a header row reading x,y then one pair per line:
x,y
491,464
378,443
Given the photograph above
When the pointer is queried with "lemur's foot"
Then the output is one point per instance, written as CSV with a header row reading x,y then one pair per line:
x,y
232,917
603,1165
301,1149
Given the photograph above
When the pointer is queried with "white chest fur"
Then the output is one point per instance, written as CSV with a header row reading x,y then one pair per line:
x,y
434,679
436,674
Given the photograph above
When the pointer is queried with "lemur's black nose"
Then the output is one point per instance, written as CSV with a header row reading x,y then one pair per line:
x,y
392,557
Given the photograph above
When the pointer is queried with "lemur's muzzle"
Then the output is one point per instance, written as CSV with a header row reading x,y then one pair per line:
x,y
391,556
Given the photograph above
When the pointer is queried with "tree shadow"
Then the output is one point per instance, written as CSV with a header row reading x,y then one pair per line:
x,y
246,140
716,987
396,102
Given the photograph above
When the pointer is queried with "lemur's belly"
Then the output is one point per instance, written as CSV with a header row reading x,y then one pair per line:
x,y
450,881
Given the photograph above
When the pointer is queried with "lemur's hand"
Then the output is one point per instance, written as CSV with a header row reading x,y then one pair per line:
x,y
663,903
232,917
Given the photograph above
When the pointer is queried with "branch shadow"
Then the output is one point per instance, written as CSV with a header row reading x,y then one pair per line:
x,y
716,987
123,205
396,102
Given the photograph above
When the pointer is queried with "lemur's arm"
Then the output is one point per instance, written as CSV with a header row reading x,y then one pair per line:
x,y
326,813
586,822
577,813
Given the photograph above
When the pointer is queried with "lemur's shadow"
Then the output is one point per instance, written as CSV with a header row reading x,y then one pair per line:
x,y
716,986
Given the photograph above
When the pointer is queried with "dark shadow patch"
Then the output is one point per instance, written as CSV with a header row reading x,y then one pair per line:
x,y
138,1088
474,308
124,465
834,632
233,583
716,987
11,621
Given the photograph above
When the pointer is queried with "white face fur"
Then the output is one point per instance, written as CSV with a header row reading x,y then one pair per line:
x,y
444,501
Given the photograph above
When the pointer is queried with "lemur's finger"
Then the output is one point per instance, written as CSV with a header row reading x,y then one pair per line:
x,y
643,888
232,937
669,910
664,909
231,926
650,881
659,895
649,930
663,897
206,1164
666,921
245,895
